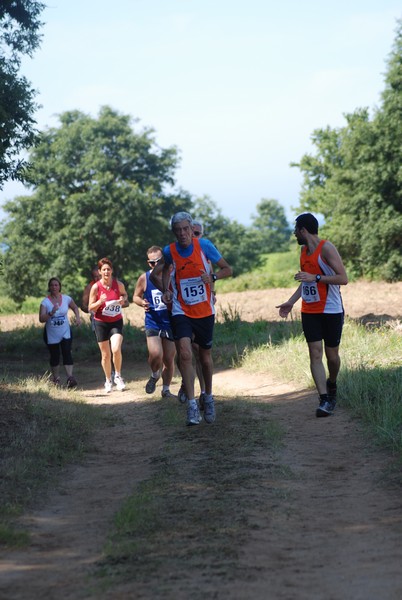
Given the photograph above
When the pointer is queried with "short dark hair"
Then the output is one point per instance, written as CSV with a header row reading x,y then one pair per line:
x,y
308,221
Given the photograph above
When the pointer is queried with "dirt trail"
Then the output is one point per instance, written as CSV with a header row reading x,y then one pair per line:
x,y
331,530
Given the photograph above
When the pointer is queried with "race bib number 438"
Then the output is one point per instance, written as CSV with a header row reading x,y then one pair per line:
x,y
112,308
193,290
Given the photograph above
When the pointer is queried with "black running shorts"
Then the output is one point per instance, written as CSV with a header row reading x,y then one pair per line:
x,y
200,331
104,330
323,326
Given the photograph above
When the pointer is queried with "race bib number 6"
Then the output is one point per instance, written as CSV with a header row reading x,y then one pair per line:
x,y
157,300
193,290
310,292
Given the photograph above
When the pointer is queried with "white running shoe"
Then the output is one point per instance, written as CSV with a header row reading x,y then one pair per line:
x,y
119,382
108,386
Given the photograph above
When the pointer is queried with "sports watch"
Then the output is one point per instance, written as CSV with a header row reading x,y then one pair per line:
x,y
318,278
214,277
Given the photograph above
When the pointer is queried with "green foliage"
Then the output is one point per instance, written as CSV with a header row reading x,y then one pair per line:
x,y
355,181
275,270
234,241
100,189
244,247
272,231
19,35
28,307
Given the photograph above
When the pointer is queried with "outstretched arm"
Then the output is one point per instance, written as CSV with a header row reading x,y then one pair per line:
x,y
286,307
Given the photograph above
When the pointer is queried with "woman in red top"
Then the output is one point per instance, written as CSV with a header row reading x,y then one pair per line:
x,y
106,299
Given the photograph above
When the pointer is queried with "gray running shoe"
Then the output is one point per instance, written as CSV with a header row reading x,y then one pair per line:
x,y
209,410
325,409
151,385
193,415
182,395
167,394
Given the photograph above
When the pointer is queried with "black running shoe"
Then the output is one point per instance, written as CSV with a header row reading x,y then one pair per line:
x,y
325,409
331,391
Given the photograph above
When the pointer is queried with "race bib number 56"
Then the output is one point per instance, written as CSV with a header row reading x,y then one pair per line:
x,y
193,290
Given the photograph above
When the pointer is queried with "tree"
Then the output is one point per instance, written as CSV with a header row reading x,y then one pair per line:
x,y
234,241
99,189
272,229
355,181
19,35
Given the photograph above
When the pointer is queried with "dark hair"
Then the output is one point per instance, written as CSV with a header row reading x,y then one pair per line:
x,y
308,221
104,261
50,281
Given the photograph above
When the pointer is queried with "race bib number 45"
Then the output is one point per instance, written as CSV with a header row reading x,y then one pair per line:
x,y
310,292
193,290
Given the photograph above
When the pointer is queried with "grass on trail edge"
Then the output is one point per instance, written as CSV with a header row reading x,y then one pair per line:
x,y
193,509
42,429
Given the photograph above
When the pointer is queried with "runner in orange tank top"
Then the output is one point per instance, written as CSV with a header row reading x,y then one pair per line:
x,y
187,269
321,273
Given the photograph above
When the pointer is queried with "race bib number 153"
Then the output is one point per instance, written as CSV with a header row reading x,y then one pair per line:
x,y
193,290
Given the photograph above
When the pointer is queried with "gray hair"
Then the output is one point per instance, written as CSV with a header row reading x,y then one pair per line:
x,y
199,223
180,216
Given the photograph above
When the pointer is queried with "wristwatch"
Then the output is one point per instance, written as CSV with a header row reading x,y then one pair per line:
x,y
214,277
318,278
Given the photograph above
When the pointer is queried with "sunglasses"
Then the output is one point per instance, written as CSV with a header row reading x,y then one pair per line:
x,y
197,233
153,262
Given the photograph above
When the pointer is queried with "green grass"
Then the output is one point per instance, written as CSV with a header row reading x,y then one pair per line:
x,y
195,488
42,429
277,271
30,306
370,379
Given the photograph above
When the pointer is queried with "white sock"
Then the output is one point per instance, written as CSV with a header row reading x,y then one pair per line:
x,y
155,375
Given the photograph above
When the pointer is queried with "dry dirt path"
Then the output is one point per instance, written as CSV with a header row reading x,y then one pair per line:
x,y
332,531
329,528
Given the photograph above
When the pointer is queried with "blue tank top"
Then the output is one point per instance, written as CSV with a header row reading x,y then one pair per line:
x,y
157,317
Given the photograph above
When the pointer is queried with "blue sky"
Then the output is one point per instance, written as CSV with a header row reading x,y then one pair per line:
x,y
237,86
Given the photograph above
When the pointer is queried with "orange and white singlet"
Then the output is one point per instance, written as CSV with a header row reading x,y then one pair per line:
x,y
191,296
319,297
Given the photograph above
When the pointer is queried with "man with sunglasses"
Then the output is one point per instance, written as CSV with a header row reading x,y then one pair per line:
x,y
160,343
187,280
